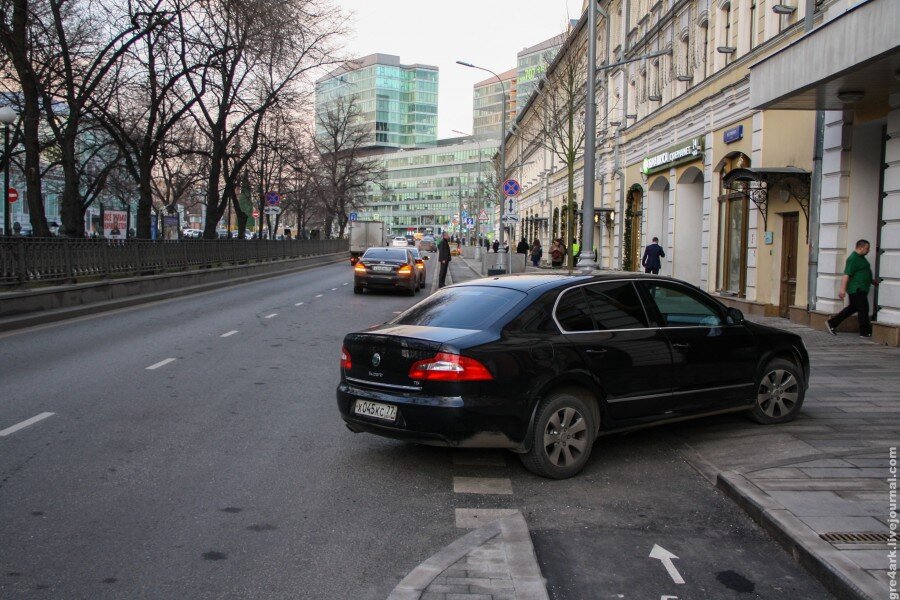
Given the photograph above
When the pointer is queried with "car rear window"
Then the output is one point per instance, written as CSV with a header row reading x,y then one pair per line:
x,y
468,307
385,254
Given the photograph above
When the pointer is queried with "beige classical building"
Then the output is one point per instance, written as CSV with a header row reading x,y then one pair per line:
x,y
725,181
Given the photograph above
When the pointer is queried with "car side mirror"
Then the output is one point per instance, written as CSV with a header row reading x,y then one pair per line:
x,y
424,257
735,317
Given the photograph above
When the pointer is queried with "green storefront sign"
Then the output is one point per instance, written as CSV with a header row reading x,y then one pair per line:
x,y
682,152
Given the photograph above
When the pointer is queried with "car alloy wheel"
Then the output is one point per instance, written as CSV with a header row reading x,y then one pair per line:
x,y
779,394
564,433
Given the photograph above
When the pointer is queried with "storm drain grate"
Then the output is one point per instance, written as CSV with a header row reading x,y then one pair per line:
x,y
856,538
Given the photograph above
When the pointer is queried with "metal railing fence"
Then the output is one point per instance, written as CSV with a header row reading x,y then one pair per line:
x,y
25,260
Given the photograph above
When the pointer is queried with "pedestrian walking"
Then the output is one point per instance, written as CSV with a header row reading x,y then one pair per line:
x,y
576,249
653,253
444,259
522,246
536,252
496,246
556,254
855,283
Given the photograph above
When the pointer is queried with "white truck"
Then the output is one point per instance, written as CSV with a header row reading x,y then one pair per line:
x,y
365,235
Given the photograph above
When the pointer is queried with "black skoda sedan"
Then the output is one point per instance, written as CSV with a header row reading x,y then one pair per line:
x,y
386,268
543,364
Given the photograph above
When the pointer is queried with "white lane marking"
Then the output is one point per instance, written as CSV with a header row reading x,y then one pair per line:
x,y
333,289
229,334
397,312
318,295
25,423
161,363
665,557
473,518
273,315
299,304
346,284
482,485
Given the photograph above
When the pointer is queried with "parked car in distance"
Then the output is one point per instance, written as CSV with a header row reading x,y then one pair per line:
x,y
427,244
399,242
386,268
420,265
543,364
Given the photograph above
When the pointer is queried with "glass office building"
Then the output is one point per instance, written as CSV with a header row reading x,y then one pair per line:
x,y
531,63
423,188
487,103
398,102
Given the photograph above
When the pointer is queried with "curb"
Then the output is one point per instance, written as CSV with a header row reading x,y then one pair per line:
x,y
523,567
838,574
62,314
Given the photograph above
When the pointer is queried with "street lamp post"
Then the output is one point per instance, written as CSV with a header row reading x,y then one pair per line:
x,y
7,117
502,140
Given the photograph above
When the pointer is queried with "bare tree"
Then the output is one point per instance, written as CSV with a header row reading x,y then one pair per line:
x,y
254,63
344,169
560,126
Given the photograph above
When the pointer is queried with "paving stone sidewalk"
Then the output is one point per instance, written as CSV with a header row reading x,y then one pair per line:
x,y
825,473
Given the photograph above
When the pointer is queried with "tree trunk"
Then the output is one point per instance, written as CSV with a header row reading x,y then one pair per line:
x,y
145,201
72,210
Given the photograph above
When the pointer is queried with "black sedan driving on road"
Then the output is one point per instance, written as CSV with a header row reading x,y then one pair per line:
x,y
543,364
386,268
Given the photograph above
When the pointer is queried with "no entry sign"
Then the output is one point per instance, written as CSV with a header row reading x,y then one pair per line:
x,y
12,194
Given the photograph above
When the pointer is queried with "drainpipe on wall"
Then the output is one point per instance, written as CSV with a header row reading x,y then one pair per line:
x,y
815,190
617,166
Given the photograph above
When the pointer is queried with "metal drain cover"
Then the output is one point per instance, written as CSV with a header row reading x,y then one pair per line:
x,y
856,538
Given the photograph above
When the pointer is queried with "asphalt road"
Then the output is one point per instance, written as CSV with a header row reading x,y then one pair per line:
x,y
227,473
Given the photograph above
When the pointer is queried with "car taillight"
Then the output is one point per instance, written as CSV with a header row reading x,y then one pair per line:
x,y
359,267
405,270
449,367
346,363
420,264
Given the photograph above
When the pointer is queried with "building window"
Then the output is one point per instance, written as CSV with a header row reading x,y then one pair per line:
x,y
753,24
734,207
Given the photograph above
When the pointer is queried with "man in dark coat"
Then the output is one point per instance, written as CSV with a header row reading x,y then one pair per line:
x,y
444,259
652,255
522,248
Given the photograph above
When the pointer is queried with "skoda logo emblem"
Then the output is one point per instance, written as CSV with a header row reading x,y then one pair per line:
x,y
376,359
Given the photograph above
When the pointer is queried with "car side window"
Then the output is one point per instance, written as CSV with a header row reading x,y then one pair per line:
x,y
615,305
572,311
680,306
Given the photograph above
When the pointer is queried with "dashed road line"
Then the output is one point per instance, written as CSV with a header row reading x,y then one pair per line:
x,y
482,485
25,423
299,304
318,295
345,284
161,363
230,333
272,316
333,289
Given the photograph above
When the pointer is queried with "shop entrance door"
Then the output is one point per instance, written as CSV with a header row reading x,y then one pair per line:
x,y
789,228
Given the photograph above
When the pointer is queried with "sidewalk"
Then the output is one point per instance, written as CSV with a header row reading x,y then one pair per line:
x,y
820,485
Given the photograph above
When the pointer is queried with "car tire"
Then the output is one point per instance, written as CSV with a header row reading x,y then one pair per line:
x,y
780,391
564,433
357,289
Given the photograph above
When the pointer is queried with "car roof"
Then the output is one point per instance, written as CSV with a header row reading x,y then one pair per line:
x,y
531,281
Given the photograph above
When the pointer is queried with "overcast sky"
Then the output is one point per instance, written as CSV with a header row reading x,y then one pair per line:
x,y
487,33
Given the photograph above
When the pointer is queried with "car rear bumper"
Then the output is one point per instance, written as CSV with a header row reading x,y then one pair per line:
x,y
433,420
382,281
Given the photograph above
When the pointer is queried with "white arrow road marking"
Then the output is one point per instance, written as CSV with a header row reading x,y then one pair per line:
x,y
271,316
299,304
161,363
665,557
25,423
229,334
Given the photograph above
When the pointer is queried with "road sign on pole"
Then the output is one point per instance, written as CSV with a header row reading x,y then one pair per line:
x,y
510,219
255,213
12,194
272,210
510,205
511,187
273,198
353,216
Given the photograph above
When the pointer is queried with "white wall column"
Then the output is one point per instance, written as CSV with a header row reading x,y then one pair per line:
x,y
889,290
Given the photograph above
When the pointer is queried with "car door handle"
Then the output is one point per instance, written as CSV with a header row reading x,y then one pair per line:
x,y
681,346
600,351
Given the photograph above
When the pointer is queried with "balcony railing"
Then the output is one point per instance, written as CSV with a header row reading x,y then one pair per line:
x,y
25,260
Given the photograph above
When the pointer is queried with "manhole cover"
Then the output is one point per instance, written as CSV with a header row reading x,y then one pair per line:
x,y
856,538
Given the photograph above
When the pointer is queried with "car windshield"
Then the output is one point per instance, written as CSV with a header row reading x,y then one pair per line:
x,y
385,254
467,307
415,252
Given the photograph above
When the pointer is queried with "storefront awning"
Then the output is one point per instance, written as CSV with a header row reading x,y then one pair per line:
x,y
761,184
851,62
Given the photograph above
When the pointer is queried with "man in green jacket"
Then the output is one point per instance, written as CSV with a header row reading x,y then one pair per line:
x,y
856,281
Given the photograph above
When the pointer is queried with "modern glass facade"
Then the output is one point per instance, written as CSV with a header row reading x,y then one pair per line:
x,y
531,63
488,102
398,103
422,187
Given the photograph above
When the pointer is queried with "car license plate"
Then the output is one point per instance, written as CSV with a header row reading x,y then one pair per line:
x,y
376,410
381,269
